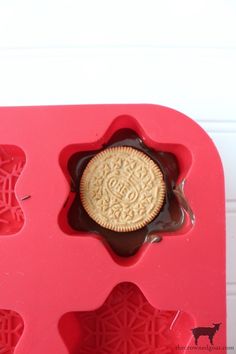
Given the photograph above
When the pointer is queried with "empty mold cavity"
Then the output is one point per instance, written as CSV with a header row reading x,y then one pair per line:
x,y
12,160
11,329
174,218
126,323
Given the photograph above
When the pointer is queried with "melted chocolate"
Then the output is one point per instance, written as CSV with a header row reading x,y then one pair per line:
x,y
170,218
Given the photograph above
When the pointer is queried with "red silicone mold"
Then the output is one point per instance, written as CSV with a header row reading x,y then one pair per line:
x,y
66,290
125,323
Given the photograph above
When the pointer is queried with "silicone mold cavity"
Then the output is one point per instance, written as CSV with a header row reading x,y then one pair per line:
x,y
79,155
126,323
12,160
11,329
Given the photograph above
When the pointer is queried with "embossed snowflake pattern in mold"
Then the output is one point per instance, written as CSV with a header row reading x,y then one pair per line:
x,y
126,324
11,329
11,215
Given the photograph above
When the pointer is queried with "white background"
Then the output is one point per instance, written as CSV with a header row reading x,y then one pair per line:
x,y
179,53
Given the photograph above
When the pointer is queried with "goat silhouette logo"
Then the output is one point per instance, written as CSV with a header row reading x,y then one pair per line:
x,y
205,331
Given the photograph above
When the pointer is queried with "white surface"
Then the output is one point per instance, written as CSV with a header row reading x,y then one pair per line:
x,y
67,23
181,54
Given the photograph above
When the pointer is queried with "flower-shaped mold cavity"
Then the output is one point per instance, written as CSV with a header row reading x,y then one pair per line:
x,y
175,216
12,160
126,323
11,329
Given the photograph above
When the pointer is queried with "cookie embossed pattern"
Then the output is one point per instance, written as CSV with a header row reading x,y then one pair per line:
x,y
70,285
122,189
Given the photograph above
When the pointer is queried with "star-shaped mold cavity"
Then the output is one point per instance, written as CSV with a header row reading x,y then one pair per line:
x,y
173,218
126,323
11,329
12,161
